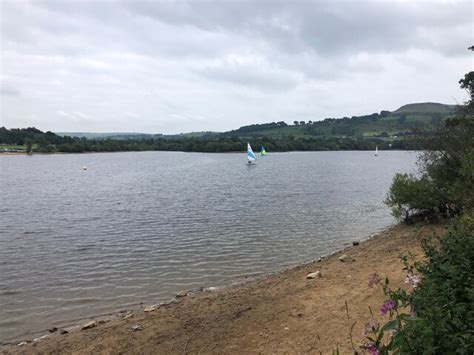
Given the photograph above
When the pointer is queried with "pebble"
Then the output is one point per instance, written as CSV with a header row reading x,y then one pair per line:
x,y
211,289
137,327
149,309
130,315
41,337
23,343
314,275
182,293
194,291
89,325
355,243
344,258
52,330
63,331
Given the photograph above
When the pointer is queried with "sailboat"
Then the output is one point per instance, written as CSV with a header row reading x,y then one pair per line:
x,y
250,155
376,151
263,151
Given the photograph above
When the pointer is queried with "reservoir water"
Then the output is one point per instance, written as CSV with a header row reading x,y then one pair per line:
x,y
138,227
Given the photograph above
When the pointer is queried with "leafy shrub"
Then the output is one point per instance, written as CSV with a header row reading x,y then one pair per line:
x,y
441,304
410,195
446,182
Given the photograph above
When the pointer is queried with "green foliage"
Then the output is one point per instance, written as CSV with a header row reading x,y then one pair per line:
x,y
28,144
468,83
410,195
444,187
441,303
49,142
445,297
410,120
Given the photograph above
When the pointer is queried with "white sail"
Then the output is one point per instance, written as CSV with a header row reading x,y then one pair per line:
x,y
250,154
376,150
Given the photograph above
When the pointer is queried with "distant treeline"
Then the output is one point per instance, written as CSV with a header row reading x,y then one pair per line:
x,y
48,142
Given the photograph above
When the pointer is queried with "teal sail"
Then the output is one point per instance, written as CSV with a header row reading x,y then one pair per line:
x,y
250,154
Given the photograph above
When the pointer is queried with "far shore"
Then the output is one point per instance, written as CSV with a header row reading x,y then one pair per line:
x,y
182,151
281,313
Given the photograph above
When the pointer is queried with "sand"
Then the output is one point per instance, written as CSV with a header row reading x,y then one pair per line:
x,y
283,313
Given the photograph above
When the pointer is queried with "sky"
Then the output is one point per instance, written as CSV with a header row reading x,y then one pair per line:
x,y
181,66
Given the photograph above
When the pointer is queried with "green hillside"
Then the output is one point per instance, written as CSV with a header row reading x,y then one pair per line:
x,y
407,120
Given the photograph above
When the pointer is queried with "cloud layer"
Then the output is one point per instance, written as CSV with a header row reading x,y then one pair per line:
x,y
175,67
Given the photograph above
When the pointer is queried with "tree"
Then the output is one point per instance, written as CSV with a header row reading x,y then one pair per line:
x,y
296,123
467,83
445,185
29,145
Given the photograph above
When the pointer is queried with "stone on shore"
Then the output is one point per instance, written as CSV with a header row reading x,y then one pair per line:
x,y
89,325
137,327
314,275
150,308
41,337
345,258
182,293
355,243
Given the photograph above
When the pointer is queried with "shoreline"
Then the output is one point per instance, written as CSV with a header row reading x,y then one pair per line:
x,y
258,298
230,152
108,316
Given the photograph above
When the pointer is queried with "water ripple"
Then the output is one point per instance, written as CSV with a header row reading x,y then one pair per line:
x,y
137,227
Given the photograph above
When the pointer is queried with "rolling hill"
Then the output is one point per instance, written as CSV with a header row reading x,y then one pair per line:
x,y
407,120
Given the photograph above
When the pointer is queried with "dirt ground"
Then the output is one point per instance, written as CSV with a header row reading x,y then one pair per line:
x,y
284,313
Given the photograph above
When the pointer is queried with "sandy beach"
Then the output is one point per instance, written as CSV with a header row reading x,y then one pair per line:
x,y
280,313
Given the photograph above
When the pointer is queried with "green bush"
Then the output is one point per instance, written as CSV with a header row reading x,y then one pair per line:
x,y
446,183
409,195
441,304
444,299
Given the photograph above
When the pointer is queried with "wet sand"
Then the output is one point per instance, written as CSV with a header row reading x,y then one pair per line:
x,y
280,313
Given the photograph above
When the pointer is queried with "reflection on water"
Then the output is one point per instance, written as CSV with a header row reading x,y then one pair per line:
x,y
140,226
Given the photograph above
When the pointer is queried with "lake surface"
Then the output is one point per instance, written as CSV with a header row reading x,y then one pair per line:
x,y
138,227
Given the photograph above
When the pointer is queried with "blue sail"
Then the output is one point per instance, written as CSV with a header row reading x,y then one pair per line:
x,y
250,154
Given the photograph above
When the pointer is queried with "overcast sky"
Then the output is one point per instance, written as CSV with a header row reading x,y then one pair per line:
x,y
175,66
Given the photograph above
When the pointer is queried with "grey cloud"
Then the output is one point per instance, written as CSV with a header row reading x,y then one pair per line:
x,y
329,27
8,90
210,60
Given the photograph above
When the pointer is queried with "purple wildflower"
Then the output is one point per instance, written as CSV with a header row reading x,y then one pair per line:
x,y
374,280
371,348
412,279
373,324
387,306
371,327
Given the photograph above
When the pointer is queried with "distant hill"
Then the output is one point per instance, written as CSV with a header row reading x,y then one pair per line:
x,y
407,120
405,128
426,107
404,121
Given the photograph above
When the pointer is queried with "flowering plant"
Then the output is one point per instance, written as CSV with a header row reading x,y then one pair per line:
x,y
434,314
